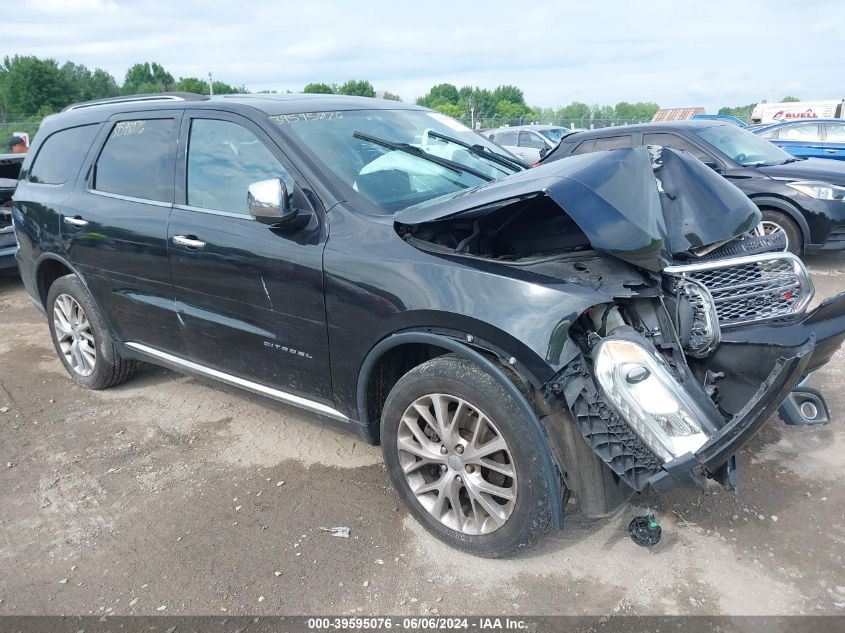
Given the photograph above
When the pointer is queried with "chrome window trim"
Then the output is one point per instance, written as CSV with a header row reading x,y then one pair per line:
x,y
275,394
228,214
118,196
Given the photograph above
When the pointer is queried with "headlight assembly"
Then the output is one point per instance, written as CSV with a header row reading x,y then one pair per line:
x,y
640,386
819,190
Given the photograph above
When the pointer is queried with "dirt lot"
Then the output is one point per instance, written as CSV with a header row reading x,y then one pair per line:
x,y
169,496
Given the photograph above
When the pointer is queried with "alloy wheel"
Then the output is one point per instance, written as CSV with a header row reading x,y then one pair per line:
x,y
74,334
767,227
457,464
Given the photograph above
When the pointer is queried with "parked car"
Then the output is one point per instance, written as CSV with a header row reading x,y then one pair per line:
x,y
816,138
728,118
788,110
10,166
802,198
509,336
529,142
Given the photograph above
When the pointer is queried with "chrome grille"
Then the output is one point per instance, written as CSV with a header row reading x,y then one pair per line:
x,y
752,288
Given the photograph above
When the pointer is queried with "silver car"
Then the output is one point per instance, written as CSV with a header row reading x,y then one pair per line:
x,y
529,142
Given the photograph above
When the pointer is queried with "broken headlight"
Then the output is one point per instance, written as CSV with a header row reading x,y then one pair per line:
x,y
640,386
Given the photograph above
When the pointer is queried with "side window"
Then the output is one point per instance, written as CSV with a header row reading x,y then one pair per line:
x,y
60,155
672,141
835,133
800,132
770,134
224,159
613,142
529,139
585,147
509,139
138,160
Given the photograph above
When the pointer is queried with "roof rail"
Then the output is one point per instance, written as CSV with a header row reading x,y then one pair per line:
x,y
153,97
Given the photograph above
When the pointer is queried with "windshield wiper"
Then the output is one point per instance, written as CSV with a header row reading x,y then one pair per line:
x,y
413,150
480,150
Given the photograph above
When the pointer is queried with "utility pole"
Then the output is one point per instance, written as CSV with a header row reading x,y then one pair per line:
x,y
210,85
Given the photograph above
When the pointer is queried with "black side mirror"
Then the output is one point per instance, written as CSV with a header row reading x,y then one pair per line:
x,y
268,202
710,162
543,152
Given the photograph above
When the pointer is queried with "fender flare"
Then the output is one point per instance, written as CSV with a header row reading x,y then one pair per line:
x,y
439,340
789,209
50,256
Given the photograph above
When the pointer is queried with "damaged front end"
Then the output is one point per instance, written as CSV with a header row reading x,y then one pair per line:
x,y
705,332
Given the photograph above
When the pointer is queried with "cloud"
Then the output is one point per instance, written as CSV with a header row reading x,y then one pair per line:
x,y
674,53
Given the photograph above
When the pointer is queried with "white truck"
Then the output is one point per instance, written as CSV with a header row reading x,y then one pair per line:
x,y
774,112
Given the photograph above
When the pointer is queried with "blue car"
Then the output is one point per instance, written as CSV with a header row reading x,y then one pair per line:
x,y
811,138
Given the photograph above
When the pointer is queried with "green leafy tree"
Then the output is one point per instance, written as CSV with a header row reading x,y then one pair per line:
x,y
740,112
357,88
511,94
576,110
451,109
441,94
790,100
510,110
147,77
29,85
319,88
635,111
101,85
390,96
192,84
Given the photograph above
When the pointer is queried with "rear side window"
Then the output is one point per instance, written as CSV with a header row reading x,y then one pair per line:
x,y
836,132
613,142
528,139
60,155
507,138
138,160
585,147
800,132
673,142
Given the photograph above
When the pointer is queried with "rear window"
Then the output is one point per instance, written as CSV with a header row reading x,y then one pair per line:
x,y
138,160
60,155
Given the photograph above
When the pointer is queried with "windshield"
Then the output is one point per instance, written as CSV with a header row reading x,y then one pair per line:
x,y
555,134
353,148
746,148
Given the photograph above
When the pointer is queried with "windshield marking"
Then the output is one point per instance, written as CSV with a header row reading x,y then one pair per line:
x,y
305,116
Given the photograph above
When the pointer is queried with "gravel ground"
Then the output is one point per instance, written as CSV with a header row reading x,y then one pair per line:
x,y
169,496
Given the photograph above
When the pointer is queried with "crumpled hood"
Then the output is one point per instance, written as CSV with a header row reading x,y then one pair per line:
x,y
641,205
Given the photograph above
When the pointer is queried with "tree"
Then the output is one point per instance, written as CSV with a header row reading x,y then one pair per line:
x,y
635,111
319,88
192,84
147,77
740,112
29,85
576,110
510,110
390,96
441,94
511,94
360,88
790,100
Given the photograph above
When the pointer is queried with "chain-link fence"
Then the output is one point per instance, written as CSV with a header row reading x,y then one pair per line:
x,y
587,123
10,128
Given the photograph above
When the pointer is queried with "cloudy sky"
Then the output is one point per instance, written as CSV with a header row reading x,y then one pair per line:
x,y
677,53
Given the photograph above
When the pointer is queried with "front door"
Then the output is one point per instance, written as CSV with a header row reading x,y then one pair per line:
x,y
114,226
249,296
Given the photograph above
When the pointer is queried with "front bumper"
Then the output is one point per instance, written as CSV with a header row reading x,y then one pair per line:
x,y
792,351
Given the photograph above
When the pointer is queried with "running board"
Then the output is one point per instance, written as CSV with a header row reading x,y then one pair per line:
x,y
235,381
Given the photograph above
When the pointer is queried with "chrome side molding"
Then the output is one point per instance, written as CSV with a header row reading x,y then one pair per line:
x,y
235,381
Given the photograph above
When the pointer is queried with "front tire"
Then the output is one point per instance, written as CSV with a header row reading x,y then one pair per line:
x,y
81,338
777,222
459,451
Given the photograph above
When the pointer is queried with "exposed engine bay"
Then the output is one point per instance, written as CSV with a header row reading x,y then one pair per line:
x,y
704,333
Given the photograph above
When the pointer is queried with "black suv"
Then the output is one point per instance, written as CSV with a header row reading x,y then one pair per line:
x,y
509,336
803,198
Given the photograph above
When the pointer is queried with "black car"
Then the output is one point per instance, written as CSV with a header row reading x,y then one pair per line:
x,y
802,197
510,336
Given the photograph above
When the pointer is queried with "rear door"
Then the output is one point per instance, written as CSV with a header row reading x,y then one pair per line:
x,y
114,226
834,140
250,296
801,139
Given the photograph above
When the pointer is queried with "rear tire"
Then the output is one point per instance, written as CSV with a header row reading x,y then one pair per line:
x,y
460,452
778,220
81,338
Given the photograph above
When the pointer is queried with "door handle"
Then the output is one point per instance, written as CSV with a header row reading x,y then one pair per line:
x,y
76,221
188,240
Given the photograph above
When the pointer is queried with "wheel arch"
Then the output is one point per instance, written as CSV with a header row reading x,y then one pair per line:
x,y
409,349
775,203
48,269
